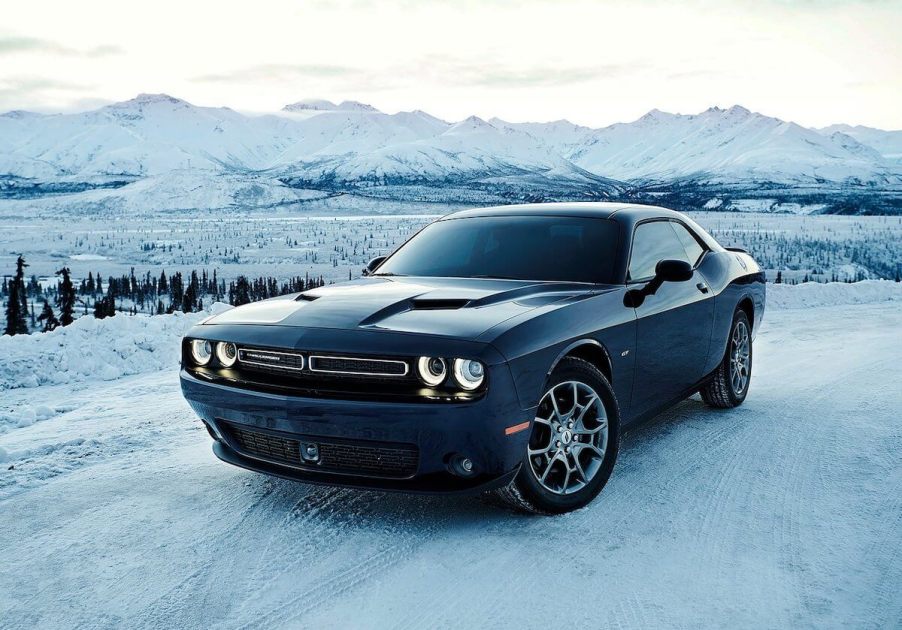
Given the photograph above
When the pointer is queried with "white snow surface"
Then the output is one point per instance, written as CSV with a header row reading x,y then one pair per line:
x,y
813,294
96,349
784,512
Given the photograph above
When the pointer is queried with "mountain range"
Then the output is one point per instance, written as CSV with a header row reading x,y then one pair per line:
x,y
720,158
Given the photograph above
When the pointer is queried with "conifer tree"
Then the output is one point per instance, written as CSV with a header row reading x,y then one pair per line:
x,y
66,298
20,280
16,306
48,318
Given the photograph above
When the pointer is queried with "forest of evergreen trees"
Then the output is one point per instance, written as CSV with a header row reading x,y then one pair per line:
x,y
30,305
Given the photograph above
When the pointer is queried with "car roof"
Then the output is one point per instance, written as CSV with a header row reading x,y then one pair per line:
x,y
628,215
625,212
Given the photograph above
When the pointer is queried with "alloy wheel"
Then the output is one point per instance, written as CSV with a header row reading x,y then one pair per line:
x,y
569,438
740,357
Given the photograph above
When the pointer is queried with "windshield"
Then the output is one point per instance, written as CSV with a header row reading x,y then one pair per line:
x,y
573,249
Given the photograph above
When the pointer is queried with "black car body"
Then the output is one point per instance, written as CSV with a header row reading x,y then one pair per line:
x,y
328,386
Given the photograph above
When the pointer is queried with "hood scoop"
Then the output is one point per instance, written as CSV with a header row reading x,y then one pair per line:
x,y
438,304
303,297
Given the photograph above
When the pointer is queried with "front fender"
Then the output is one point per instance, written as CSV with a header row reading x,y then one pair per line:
x,y
535,344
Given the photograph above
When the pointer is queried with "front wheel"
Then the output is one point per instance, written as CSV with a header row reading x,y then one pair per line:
x,y
730,383
573,445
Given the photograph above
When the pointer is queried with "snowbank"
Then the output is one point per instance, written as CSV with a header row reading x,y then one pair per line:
x,y
95,349
812,294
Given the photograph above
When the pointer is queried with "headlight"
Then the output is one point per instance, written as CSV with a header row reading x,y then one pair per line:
x,y
201,351
432,370
468,374
227,353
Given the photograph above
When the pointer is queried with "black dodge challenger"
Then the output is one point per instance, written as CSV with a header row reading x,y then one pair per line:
x,y
501,349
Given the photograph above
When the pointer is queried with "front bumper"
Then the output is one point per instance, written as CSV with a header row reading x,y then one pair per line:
x,y
438,431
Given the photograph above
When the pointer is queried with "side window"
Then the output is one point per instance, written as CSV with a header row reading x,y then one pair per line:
x,y
652,243
693,249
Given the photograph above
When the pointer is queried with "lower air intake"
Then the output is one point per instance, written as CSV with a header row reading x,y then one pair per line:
x,y
352,458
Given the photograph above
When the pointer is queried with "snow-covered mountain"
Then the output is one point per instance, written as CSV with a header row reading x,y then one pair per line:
x,y
148,135
322,105
320,144
719,145
887,143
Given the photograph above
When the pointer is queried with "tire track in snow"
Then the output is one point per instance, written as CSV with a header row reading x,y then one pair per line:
x,y
804,464
678,435
349,576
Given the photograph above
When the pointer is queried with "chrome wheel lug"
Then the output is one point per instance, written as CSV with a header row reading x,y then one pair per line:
x,y
558,444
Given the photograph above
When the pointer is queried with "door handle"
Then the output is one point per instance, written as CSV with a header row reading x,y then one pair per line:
x,y
701,286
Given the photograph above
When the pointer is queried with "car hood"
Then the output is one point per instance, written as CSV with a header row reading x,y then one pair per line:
x,y
454,307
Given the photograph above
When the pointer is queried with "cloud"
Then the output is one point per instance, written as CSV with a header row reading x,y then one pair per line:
x,y
488,75
434,69
11,44
30,92
35,84
264,73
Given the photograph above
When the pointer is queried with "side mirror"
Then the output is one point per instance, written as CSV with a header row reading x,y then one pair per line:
x,y
673,271
665,271
372,265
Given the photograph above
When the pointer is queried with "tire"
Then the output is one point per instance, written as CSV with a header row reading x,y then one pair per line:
x,y
726,389
585,424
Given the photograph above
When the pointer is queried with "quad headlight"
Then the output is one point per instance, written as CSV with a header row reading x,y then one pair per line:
x,y
468,373
432,370
227,353
201,351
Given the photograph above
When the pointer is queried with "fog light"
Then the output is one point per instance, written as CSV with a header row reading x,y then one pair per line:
x,y
462,466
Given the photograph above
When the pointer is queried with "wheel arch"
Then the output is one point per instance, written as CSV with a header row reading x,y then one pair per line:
x,y
748,306
589,350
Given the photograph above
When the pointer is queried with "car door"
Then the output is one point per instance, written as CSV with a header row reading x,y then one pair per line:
x,y
673,325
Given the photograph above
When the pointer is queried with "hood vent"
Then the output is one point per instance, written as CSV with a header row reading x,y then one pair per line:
x,y
303,297
426,304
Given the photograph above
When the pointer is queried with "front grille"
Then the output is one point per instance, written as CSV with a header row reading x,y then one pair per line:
x,y
353,458
270,360
357,366
297,365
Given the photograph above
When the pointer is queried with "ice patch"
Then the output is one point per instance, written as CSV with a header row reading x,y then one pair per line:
x,y
88,257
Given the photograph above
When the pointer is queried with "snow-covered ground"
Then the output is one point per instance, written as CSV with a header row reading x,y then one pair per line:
x,y
785,512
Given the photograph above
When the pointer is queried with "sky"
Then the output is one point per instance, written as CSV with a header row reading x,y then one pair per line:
x,y
816,62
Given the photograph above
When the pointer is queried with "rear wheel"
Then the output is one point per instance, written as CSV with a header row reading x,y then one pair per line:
x,y
573,445
730,384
